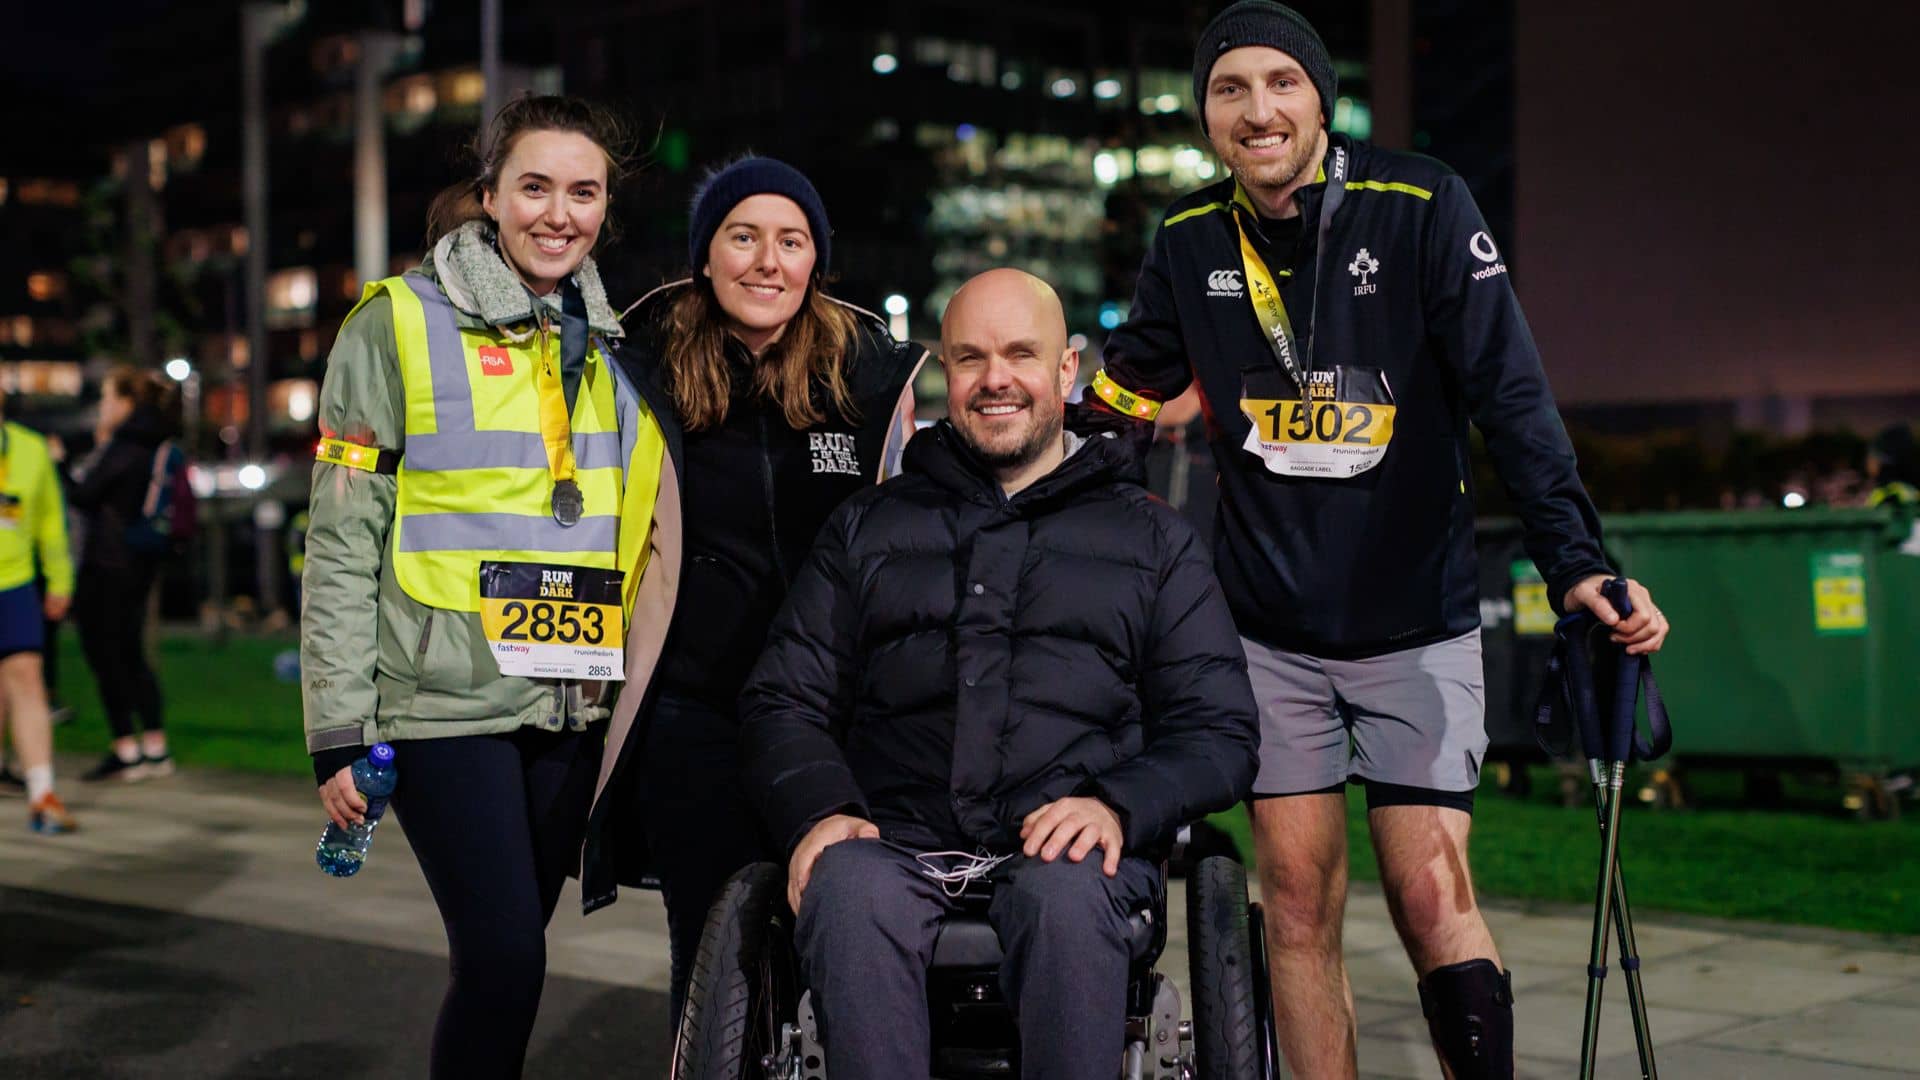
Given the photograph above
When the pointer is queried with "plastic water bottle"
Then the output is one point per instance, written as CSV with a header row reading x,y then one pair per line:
x,y
341,851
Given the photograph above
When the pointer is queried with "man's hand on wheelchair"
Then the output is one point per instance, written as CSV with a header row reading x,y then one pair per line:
x,y
1074,825
830,831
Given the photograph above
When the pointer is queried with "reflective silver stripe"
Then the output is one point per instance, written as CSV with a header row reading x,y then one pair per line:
x,y
626,403
446,357
600,450
448,452
506,532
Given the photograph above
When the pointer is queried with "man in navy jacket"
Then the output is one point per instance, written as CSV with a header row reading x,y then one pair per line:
x,y
1346,314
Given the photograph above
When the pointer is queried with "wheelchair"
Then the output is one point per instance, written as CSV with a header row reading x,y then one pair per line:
x,y
747,1016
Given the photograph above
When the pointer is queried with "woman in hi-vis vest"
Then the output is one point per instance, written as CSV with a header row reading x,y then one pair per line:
x,y
482,505
790,401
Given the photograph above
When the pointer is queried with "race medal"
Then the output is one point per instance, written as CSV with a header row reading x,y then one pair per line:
x,y
568,503
1339,427
547,621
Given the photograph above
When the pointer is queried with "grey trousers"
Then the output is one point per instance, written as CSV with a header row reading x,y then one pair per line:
x,y
865,934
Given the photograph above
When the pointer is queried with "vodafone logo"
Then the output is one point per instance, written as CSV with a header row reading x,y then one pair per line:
x,y
1481,245
495,361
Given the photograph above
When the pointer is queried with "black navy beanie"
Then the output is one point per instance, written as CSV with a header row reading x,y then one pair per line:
x,y
742,180
1277,26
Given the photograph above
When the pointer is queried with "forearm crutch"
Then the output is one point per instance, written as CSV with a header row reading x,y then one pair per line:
x,y
1598,684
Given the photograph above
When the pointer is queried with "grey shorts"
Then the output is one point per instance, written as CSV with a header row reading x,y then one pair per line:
x,y
1414,718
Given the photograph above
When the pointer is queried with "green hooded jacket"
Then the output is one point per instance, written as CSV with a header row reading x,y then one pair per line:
x,y
377,665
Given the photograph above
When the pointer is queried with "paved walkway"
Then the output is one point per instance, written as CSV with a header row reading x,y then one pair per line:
x,y
1729,1000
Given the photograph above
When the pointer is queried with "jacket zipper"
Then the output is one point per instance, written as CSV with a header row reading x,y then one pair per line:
x,y
426,635
773,521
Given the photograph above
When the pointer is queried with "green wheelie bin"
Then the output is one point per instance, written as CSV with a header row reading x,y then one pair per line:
x,y
1795,641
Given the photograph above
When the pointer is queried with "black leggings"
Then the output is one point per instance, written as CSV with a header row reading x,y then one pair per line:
x,y
495,822
700,826
110,609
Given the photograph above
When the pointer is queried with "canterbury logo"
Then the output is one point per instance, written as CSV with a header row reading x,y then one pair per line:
x,y
1225,283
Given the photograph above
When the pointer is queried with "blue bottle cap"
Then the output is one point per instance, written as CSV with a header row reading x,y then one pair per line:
x,y
381,754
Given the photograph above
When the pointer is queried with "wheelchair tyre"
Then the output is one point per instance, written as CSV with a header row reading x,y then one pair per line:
x,y
744,985
1223,974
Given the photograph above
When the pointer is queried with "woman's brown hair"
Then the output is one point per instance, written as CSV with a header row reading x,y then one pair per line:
x,y
144,387
460,203
813,351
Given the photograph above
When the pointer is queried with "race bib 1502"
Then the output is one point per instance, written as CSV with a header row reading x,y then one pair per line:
x,y
1339,427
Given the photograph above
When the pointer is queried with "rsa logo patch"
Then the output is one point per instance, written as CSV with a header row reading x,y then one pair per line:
x,y
494,360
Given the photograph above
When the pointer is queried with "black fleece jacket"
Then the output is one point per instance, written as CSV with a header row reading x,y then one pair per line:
x,y
1412,286
754,492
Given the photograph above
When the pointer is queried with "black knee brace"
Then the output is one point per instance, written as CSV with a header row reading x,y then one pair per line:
x,y
1469,1008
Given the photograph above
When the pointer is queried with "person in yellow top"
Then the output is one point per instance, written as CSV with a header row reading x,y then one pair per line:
x,y
33,525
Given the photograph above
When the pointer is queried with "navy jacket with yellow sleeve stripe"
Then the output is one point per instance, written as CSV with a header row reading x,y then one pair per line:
x,y
1413,285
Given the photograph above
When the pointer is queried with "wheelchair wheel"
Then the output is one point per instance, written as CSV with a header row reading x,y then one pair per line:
x,y
744,985
1226,1018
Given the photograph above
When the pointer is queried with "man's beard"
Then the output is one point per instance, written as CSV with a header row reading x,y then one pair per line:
x,y
1039,436
1280,173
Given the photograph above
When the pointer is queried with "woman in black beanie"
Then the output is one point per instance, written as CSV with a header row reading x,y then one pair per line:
x,y
790,401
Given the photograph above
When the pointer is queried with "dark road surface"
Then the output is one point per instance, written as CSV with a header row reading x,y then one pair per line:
x,y
105,992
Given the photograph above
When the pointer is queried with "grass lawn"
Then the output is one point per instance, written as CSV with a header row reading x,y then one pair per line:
x,y
224,707
1807,862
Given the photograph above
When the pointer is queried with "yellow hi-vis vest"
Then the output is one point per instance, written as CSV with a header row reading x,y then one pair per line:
x,y
473,480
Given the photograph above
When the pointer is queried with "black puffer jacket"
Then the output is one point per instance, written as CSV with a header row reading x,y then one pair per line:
x,y
950,659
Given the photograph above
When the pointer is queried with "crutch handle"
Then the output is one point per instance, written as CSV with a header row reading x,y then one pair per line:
x,y
1615,590
1626,680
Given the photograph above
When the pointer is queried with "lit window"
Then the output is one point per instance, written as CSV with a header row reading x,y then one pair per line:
x,y
16,331
46,285
290,297
412,96
885,64
186,145
44,192
334,54
1353,117
1106,168
48,378
1063,87
466,87
293,398
1107,89
157,163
